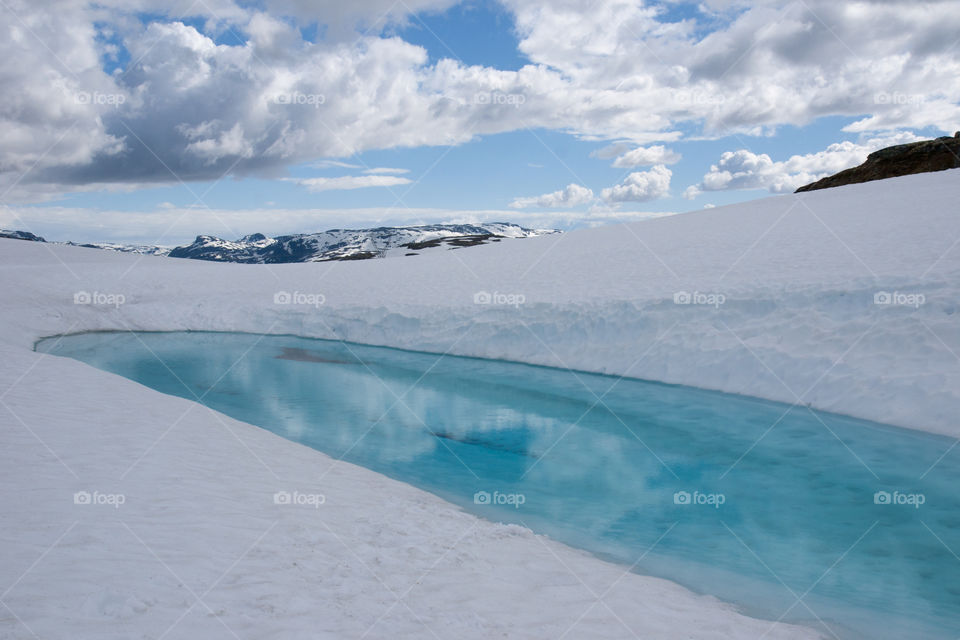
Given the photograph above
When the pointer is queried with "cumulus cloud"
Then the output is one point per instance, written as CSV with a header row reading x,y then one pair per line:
x,y
646,157
744,169
351,182
50,110
760,64
342,18
641,186
191,105
572,195
210,142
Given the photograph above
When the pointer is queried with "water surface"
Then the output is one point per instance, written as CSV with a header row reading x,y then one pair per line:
x,y
771,507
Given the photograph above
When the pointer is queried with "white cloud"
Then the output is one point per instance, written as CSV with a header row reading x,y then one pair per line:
x,y
52,92
364,15
192,109
350,182
222,144
641,186
386,171
744,169
767,63
647,156
572,195
334,164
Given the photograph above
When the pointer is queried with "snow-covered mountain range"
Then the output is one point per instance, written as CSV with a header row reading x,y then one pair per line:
x,y
143,249
351,244
336,244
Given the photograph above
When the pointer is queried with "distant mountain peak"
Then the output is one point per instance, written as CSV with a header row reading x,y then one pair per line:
x,y
335,244
351,244
20,235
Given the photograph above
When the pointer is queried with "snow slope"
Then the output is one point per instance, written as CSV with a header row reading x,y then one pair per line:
x,y
199,549
797,275
144,249
791,285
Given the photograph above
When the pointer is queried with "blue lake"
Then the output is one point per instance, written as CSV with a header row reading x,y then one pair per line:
x,y
848,526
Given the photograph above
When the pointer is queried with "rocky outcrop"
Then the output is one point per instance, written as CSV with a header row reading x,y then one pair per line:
x,y
20,235
901,160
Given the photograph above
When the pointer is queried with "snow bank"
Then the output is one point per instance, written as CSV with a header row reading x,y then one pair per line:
x,y
177,535
182,538
775,298
784,299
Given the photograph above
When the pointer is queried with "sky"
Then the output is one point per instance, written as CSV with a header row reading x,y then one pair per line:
x,y
152,122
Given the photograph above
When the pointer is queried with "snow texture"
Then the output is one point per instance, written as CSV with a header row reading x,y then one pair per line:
x,y
845,299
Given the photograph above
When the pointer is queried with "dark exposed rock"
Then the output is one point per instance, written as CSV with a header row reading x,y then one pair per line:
x,y
20,235
901,160
455,241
